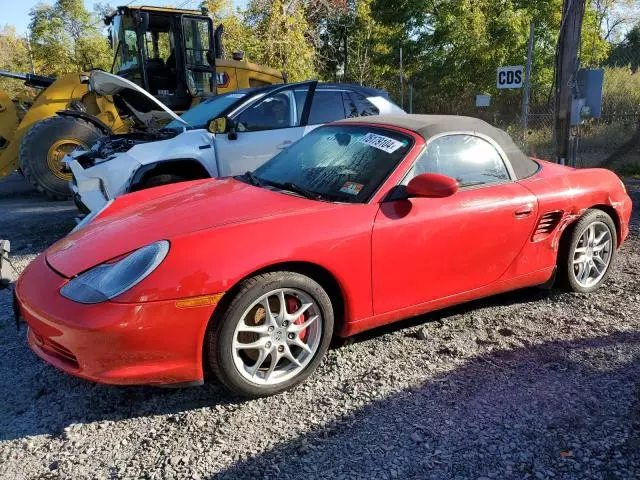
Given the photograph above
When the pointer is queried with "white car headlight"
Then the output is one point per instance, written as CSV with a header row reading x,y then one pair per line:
x,y
109,280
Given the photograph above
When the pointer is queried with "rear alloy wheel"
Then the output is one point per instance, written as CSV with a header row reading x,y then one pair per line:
x,y
273,334
590,254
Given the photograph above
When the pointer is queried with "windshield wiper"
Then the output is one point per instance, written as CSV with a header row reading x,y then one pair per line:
x,y
292,187
252,179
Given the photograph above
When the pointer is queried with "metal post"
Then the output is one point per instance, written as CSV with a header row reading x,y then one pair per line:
x,y
401,82
527,83
567,68
411,98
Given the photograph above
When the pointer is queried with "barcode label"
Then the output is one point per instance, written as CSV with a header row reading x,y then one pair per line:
x,y
381,142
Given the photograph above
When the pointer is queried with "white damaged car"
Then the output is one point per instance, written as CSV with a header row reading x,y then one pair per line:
x,y
225,135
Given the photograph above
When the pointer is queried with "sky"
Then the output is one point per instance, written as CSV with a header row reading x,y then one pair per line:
x,y
18,13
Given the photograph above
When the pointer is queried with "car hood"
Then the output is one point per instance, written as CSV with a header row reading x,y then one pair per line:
x,y
138,102
138,219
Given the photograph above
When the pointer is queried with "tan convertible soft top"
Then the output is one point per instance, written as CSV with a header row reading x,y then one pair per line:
x,y
428,126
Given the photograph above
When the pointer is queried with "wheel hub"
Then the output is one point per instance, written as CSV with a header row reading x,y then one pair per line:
x,y
592,254
277,336
58,151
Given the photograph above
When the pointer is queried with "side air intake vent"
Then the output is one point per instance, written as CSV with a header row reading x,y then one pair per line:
x,y
547,224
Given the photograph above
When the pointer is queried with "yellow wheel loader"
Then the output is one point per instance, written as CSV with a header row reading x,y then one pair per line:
x,y
166,60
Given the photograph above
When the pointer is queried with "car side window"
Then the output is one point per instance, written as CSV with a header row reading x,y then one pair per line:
x,y
362,106
469,159
274,111
350,107
327,106
279,110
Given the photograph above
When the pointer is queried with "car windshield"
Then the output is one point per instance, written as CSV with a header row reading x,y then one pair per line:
x,y
198,116
345,163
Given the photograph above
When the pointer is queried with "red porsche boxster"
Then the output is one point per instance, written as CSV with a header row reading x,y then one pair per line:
x,y
360,223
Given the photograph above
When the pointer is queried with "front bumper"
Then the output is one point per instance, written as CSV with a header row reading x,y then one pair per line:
x,y
153,343
93,187
89,193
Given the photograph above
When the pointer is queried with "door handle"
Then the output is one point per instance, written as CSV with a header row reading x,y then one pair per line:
x,y
523,211
284,144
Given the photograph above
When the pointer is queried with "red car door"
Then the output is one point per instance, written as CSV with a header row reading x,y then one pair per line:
x,y
425,249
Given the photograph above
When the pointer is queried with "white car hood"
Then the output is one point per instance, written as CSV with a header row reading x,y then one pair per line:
x,y
104,83
184,145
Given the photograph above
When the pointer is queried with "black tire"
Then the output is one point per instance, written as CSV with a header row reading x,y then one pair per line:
x,y
161,179
571,238
219,337
35,147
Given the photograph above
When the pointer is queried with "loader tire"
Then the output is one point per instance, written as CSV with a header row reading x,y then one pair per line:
x,y
45,145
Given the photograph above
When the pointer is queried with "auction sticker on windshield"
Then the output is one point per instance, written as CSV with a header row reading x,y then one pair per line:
x,y
352,188
381,142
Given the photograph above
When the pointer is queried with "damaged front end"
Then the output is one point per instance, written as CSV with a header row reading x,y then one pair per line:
x,y
148,116
108,147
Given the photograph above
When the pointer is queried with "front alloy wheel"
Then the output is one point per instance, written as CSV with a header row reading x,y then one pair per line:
x,y
272,335
277,336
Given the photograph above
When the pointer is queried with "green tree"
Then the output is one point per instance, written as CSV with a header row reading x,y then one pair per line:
x,y
453,48
627,53
14,57
284,37
373,49
67,38
238,36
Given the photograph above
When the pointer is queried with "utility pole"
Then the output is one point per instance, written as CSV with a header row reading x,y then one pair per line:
x,y
527,83
566,70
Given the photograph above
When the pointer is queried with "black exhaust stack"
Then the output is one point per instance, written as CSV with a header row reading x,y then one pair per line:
x,y
217,37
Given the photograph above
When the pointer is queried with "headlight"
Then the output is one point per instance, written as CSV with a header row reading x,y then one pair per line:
x,y
109,280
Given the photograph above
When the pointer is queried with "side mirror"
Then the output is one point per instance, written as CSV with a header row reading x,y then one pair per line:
x,y
431,185
217,125
233,133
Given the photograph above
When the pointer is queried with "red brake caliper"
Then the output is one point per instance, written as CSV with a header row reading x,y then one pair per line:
x,y
294,304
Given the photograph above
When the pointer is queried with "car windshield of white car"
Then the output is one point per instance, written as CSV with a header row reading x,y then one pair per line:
x,y
199,116
344,163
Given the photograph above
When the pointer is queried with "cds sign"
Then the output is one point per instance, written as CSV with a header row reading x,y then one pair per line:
x,y
510,77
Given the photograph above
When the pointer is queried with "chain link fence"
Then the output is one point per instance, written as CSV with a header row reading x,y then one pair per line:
x,y
611,141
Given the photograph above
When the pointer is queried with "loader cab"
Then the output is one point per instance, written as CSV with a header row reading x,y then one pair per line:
x,y
167,52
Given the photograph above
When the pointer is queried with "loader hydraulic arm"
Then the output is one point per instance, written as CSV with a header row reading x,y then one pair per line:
x,y
30,79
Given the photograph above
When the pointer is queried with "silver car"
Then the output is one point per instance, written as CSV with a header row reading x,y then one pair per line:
x,y
227,135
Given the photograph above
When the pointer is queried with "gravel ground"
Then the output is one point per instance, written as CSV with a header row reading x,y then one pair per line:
x,y
530,384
